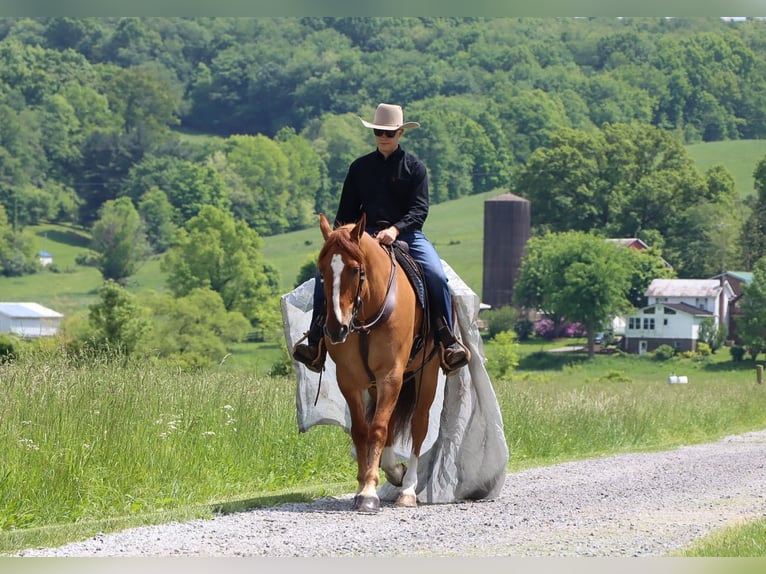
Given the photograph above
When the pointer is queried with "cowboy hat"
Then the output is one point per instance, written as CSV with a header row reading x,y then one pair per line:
x,y
389,117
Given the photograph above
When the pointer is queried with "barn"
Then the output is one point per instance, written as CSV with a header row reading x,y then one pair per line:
x,y
28,320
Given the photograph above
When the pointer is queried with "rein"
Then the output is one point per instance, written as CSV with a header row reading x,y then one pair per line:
x,y
380,317
385,310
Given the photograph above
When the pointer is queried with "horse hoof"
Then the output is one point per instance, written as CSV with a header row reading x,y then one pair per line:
x,y
368,504
407,501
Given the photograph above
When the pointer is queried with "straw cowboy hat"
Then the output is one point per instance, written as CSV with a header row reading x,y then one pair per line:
x,y
389,117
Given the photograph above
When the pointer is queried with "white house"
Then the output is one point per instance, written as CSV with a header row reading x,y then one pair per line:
x,y
28,320
675,308
45,258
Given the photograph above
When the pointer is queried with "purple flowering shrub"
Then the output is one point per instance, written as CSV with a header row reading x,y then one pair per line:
x,y
548,329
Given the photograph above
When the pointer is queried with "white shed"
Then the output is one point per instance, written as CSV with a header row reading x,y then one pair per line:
x,y
29,320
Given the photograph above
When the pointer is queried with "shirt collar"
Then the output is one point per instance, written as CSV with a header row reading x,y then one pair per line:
x,y
398,152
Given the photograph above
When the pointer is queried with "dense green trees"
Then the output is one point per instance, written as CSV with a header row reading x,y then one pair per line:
x,y
219,130
94,97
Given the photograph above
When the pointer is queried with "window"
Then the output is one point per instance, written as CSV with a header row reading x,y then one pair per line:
x,y
634,322
669,311
648,323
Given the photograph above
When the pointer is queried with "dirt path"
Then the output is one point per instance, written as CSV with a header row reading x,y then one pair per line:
x,y
651,504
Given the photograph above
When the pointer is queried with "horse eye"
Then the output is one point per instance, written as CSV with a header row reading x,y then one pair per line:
x,y
355,271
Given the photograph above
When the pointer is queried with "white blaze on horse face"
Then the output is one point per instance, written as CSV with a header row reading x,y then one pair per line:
x,y
337,265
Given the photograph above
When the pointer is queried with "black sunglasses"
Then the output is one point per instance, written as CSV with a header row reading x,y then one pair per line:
x,y
389,133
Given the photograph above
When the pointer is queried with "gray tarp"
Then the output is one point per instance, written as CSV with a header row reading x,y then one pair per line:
x,y
465,454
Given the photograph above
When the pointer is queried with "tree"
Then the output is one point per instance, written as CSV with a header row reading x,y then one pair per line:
x,y
157,214
119,239
213,251
195,330
117,321
751,328
265,172
187,185
577,276
308,178
753,233
711,334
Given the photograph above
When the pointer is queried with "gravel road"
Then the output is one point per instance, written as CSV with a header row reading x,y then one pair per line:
x,y
621,506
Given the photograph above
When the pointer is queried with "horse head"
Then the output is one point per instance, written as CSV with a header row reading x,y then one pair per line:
x,y
341,267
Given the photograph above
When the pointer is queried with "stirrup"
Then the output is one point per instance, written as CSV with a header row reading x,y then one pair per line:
x,y
449,368
302,354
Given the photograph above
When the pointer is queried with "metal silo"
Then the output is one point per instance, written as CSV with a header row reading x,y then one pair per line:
x,y
507,220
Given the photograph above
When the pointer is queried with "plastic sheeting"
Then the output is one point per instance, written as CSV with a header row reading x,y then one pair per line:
x,y
464,456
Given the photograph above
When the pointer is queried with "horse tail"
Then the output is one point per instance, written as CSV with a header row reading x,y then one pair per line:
x,y
405,408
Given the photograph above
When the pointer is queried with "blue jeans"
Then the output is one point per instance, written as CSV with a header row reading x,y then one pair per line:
x,y
422,251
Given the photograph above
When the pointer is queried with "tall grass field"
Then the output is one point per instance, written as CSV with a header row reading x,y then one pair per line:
x,y
99,444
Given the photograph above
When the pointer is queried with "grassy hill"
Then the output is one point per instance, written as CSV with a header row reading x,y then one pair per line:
x,y
455,227
740,158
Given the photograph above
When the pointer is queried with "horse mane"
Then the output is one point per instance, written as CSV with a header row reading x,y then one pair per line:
x,y
341,239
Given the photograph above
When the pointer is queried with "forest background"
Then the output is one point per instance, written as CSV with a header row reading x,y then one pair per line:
x,y
190,140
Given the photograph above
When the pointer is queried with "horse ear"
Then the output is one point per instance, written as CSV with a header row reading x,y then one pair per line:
x,y
324,225
356,234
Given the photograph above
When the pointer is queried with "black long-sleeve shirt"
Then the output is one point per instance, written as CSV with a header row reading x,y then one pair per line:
x,y
393,189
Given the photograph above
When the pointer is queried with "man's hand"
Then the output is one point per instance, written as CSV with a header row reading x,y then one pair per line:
x,y
388,235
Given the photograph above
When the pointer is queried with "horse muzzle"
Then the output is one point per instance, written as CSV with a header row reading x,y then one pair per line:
x,y
338,334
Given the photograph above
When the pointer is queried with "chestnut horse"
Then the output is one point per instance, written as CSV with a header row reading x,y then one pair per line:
x,y
372,319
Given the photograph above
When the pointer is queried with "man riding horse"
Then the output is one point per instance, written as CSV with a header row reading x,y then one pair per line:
x,y
390,186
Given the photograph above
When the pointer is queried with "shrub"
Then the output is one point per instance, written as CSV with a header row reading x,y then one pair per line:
x,y
545,329
737,353
504,355
524,329
663,353
501,319
7,349
703,349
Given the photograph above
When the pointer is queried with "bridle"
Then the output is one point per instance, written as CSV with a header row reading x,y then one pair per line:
x,y
385,310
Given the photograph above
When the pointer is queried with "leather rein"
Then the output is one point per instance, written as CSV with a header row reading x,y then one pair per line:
x,y
380,317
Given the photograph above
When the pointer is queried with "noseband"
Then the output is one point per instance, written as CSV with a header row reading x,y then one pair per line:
x,y
385,310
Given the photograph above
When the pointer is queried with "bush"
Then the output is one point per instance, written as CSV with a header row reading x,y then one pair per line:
x,y
663,353
524,329
737,353
7,349
545,329
703,349
503,357
500,320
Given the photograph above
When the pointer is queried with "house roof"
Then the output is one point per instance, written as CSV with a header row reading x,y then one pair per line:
x,y
634,242
744,276
28,311
686,308
703,288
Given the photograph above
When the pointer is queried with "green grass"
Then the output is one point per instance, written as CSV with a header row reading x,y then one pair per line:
x,y
739,156
740,541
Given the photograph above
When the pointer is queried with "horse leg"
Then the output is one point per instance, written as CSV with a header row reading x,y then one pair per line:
x,y
387,394
429,379
359,431
394,471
